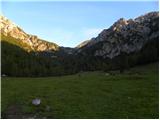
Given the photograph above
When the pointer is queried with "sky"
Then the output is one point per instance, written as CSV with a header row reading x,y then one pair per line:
x,y
68,23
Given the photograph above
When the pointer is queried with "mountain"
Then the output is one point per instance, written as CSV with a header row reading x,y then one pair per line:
x,y
82,44
124,36
125,44
12,33
26,55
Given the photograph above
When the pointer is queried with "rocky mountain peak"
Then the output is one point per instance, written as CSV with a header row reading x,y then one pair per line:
x,y
147,17
8,28
11,29
6,23
121,22
125,36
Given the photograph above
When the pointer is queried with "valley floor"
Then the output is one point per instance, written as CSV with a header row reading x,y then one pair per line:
x,y
133,94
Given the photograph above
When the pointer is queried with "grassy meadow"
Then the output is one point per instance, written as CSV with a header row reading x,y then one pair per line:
x,y
133,94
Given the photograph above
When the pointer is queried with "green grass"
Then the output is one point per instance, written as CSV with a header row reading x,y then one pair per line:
x,y
90,95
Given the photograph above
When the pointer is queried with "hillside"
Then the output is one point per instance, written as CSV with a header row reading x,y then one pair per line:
x,y
124,36
15,35
125,44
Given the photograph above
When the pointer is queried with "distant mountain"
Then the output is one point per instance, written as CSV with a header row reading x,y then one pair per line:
x,y
15,35
82,44
124,36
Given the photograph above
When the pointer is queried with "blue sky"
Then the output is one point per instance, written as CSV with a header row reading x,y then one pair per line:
x,y
70,23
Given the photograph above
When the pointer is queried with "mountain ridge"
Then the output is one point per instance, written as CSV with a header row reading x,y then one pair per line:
x,y
8,28
124,33
125,44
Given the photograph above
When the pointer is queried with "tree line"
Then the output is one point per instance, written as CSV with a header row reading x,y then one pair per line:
x,y
17,62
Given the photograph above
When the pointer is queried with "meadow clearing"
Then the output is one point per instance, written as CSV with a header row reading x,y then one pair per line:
x,y
133,94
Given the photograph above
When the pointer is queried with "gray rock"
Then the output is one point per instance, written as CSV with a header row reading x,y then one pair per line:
x,y
36,101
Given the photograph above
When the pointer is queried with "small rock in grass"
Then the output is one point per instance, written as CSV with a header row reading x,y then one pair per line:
x,y
106,74
36,101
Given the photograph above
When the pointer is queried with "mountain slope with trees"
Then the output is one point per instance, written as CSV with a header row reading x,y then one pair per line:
x,y
125,44
133,41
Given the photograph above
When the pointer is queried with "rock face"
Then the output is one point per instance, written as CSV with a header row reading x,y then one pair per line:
x,y
125,36
83,44
8,28
36,101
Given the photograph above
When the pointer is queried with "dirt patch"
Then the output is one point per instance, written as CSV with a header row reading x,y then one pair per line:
x,y
15,112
